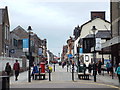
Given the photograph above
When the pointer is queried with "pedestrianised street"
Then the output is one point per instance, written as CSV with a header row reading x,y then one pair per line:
x,y
63,79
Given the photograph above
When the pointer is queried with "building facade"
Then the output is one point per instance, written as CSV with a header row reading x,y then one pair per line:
x,y
4,32
115,27
38,46
86,34
114,42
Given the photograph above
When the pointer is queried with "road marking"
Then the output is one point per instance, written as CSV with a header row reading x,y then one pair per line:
x,y
101,84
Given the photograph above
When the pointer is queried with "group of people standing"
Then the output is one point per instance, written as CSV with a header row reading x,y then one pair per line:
x,y
16,68
96,66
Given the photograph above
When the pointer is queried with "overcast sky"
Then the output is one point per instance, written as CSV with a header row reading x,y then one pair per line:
x,y
54,20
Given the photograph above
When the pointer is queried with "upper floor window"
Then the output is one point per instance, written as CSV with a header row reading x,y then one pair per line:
x,y
119,27
6,32
15,42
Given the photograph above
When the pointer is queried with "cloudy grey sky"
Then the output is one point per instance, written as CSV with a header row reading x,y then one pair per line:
x,y
54,20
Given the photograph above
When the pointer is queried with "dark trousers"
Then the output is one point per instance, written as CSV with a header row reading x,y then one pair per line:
x,y
118,77
16,74
99,70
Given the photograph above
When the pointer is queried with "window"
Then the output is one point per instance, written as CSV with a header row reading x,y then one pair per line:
x,y
20,44
6,32
15,42
119,27
86,58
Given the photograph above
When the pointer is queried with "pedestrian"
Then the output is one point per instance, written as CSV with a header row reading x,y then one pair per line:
x,y
84,67
90,68
107,67
99,67
111,68
35,70
118,72
63,64
8,68
16,67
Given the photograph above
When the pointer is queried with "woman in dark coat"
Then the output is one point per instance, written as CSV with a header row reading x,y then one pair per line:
x,y
90,68
8,68
99,67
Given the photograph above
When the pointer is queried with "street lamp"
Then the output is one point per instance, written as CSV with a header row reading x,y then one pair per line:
x,y
94,54
78,62
29,72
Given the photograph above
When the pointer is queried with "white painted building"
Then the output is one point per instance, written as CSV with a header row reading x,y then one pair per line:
x,y
101,25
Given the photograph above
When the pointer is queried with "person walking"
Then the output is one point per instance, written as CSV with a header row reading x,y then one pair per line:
x,y
16,67
8,69
107,67
35,70
99,67
118,73
90,68
84,67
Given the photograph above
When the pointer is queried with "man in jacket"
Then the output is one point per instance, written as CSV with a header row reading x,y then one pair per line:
x,y
16,67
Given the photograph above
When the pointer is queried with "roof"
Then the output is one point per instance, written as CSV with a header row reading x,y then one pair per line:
x,y
4,15
93,20
106,34
19,31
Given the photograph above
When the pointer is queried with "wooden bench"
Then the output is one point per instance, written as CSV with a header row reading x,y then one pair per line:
x,y
84,76
41,76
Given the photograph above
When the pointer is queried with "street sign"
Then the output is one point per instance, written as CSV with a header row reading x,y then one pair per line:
x,y
12,50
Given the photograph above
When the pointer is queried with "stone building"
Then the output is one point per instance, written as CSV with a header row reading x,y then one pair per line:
x,y
64,52
4,32
16,48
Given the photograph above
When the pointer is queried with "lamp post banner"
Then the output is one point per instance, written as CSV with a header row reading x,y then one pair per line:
x,y
81,50
98,44
25,45
40,51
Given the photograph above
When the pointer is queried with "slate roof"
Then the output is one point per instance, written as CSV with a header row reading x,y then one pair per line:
x,y
106,34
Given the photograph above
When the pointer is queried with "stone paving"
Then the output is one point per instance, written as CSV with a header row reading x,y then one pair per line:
x,y
63,79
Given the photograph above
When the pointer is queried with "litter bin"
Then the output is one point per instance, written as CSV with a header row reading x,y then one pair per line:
x,y
4,83
42,65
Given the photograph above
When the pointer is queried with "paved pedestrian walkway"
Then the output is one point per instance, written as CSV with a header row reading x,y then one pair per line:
x,y
63,79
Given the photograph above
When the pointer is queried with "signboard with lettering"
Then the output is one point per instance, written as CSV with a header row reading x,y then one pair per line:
x,y
98,44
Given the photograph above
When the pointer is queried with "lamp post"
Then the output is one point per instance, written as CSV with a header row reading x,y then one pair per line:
x,y
94,54
78,62
29,72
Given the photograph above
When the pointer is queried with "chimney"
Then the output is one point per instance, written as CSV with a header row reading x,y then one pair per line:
x,y
97,14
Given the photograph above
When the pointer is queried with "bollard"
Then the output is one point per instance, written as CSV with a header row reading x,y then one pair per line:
x,y
73,72
5,82
67,67
54,67
49,75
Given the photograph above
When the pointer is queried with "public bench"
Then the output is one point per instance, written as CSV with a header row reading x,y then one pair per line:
x,y
84,76
40,75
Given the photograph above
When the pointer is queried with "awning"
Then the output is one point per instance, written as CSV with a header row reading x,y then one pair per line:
x,y
111,42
